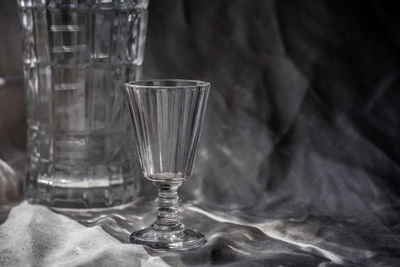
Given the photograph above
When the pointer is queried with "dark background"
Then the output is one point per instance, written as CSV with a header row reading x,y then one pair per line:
x,y
303,117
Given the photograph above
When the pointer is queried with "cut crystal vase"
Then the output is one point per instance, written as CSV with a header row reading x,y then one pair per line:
x,y
77,56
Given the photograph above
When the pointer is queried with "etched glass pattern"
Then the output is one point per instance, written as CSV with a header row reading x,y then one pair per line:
x,y
167,115
77,55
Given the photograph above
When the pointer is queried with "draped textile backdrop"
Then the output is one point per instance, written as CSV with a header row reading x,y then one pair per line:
x,y
299,162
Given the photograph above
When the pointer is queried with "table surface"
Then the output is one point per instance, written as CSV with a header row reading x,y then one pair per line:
x,y
39,236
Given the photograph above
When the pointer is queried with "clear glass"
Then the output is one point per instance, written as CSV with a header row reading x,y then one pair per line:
x,y
77,56
167,116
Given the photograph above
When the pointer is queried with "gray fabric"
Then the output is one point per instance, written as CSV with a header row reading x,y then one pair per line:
x,y
299,157
35,236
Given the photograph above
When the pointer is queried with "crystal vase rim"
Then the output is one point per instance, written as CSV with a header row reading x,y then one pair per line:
x,y
179,84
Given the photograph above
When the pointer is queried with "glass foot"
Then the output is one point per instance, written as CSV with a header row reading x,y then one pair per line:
x,y
175,240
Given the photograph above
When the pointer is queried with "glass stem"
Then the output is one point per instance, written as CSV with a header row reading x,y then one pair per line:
x,y
167,203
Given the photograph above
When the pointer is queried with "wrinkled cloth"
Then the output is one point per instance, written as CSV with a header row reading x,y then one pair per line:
x,y
38,236
34,235
299,157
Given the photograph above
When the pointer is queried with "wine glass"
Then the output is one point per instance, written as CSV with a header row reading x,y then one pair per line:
x,y
167,116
